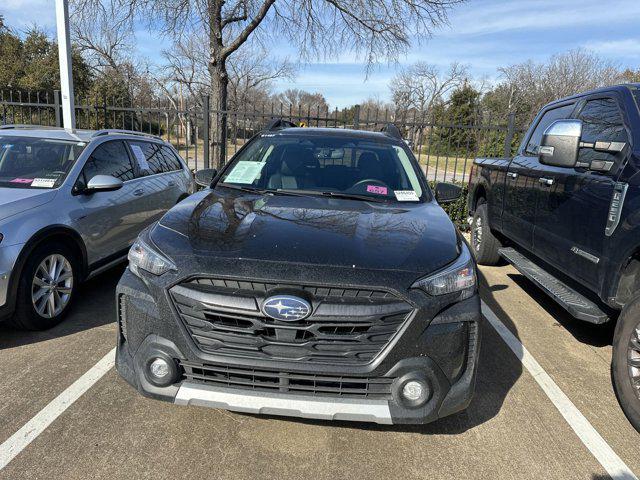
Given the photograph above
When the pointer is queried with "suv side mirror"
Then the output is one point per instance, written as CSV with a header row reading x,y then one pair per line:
x,y
447,192
103,183
561,143
205,177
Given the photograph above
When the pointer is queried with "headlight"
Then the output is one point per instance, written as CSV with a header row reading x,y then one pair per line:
x,y
460,276
142,256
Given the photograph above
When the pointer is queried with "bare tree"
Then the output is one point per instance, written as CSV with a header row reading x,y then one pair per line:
x,y
251,77
418,87
531,85
303,100
102,32
373,29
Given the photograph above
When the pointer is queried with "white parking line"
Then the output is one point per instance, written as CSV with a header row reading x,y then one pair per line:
x,y
588,435
34,427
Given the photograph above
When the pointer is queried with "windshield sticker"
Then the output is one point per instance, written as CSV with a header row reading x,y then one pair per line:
x,y
139,154
406,196
244,172
43,182
22,180
377,189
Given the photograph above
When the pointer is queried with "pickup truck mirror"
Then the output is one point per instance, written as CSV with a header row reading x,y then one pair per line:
x,y
447,192
560,143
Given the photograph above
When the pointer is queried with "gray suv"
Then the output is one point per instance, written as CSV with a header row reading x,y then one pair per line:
x,y
71,205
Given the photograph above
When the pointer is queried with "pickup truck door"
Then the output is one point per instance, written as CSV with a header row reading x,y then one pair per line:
x,y
518,217
521,189
573,203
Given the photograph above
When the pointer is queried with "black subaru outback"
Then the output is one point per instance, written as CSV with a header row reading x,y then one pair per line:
x,y
316,276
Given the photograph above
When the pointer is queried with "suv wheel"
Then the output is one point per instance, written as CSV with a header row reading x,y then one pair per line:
x,y
485,244
625,365
46,289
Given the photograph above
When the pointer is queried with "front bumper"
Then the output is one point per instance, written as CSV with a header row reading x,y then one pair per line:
x,y
8,258
269,403
442,350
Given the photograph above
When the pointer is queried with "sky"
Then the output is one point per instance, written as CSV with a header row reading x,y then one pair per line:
x,y
482,34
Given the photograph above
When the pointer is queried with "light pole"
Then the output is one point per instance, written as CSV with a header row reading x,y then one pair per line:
x,y
64,54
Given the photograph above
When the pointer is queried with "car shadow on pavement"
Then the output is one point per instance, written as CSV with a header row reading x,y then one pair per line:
x,y
93,307
585,332
498,371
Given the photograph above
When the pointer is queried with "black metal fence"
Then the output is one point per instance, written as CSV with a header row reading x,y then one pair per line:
x,y
444,145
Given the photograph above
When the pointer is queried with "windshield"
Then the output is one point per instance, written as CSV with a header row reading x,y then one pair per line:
x,y
27,162
636,94
328,165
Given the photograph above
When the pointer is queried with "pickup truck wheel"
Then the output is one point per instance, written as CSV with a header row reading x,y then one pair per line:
x,y
47,286
485,244
625,364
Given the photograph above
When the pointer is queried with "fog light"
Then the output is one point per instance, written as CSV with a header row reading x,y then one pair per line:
x,y
159,368
414,391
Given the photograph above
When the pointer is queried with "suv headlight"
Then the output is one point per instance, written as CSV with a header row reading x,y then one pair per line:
x,y
143,256
460,276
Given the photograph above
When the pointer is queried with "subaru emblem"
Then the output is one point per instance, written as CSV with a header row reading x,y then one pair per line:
x,y
286,308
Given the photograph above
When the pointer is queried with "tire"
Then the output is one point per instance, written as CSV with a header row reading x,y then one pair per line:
x,y
626,345
484,244
35,283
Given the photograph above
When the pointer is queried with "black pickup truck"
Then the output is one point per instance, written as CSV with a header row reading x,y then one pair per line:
x,y
565,212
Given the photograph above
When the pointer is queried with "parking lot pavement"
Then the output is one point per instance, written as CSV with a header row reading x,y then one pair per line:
x,y
511,430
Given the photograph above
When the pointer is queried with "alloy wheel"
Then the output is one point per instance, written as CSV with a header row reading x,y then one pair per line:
x,y
633,359
477,233
52,286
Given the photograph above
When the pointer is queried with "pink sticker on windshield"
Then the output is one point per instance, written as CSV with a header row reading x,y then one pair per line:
x,y
22,180
377,189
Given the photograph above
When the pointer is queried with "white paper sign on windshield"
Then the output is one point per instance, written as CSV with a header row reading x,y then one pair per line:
x,y
43,182
406,196
142,160
244,172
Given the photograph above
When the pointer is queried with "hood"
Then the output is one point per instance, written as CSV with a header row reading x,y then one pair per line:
x,y
312,230
17,200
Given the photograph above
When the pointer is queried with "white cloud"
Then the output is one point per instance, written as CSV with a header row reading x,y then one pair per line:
x,y
494,17
22,14
629,47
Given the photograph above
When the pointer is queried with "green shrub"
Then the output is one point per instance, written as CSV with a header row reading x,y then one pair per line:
x,y
457,210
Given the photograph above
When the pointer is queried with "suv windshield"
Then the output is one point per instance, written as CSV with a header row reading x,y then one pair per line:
x,y
27,162
328,165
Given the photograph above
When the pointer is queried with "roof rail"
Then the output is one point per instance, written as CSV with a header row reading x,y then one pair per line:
x,y
19,126
392,131
113,131
279,123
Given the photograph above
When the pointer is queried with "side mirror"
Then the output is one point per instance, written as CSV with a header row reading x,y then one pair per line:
x,y
447,192
205,177
561,143
103,183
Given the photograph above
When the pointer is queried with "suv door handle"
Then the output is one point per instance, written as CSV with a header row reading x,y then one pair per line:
x,y
172,183
139,192
546,181
512,175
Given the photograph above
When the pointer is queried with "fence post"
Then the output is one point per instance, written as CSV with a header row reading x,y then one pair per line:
x,y
509,137
356,117
56,106
104,110
206,129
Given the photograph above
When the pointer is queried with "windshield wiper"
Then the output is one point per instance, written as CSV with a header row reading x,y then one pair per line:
x,y
350,196
244,189
354,196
